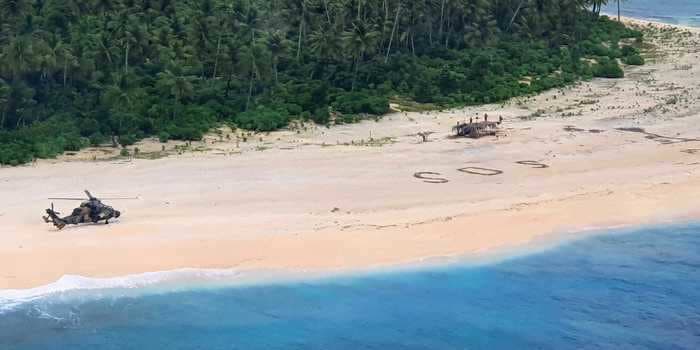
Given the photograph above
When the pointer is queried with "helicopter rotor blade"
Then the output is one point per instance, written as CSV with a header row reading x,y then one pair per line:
x,y
119,198
83,199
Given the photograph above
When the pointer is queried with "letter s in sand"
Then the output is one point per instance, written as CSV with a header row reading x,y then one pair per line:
x,y
430,180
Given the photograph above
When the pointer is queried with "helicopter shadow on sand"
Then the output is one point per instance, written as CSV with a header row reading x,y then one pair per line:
x,y
84,225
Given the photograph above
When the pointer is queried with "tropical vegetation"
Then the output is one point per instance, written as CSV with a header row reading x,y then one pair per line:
x,y
75,73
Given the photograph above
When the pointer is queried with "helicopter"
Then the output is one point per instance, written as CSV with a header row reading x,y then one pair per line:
x,y
91,210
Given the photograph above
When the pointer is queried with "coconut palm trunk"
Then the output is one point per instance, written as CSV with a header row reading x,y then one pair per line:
x,y
354,75
126,59
250,91
65,71
393,32
618,10
216,58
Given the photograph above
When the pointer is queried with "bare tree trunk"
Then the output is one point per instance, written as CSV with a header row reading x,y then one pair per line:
x,y
126,59
442,16
520,5
109,56
216,58
430,31
413,43
250,91
328,14
449,30
618,10
386,18
301,28
354,76
393,31
65,71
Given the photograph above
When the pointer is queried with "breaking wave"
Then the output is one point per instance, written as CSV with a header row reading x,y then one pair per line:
x,y
636,290
70,286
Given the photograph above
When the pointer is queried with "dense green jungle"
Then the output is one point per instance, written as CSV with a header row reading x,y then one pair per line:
x,y
75,73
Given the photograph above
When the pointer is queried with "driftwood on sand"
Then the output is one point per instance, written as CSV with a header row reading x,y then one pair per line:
x,y
478,129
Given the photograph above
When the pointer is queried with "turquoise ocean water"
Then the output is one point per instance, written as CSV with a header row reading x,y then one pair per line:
x,y
620,290
682,12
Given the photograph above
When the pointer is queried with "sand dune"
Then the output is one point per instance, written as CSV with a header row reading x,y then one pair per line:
x,y
602,153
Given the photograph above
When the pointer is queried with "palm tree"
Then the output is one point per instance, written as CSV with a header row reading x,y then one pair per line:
x,y
393,32
17,57
230,63
326,42
598,5
276,45
19,102
121,104
618,10
296,11
118,99
182,89
480,25
252,64
521,5
45,59
359,41
65,56
4,99
178,86
200,38
14,9
103,6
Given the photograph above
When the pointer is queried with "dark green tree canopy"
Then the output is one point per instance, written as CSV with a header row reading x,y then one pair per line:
x,y
74,73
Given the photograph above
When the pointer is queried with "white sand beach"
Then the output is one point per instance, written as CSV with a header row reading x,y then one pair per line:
x,y
598,154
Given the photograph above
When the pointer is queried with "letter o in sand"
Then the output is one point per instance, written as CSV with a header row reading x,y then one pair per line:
x,y
480,171
536,165
430,180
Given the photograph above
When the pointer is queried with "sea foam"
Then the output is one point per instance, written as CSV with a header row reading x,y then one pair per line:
x,y
76,286
637,290
143,282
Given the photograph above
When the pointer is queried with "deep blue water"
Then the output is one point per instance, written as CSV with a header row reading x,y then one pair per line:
x,y
631,290
683,12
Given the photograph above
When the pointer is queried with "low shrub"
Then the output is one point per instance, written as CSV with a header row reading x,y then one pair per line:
x,y
163,137
262,119
361,102
608,69
634,60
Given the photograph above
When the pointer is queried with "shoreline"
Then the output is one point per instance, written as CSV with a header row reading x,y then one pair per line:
x,y
358,206
649,21
193,279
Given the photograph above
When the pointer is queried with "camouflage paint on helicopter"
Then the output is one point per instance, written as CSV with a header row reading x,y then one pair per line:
x,y
91,210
